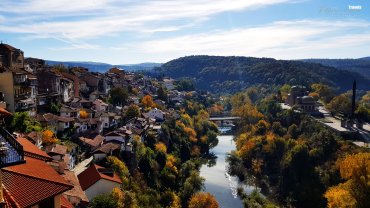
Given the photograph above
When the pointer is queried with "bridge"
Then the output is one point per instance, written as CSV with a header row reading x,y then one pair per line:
x,y
225,118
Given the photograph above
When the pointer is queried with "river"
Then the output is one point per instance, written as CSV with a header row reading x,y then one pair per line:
x,y
218,182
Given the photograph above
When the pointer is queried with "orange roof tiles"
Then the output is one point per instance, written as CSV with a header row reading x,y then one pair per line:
x,y
92,175
32,182
65,203
32,151
77,190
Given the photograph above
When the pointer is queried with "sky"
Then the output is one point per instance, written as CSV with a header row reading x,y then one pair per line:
x,y
136,31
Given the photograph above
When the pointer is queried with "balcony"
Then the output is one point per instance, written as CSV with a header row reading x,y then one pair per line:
x,y
11,152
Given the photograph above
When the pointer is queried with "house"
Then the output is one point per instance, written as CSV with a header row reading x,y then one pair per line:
x,y
16,83
169,83
48,120
32,150
156,114
66,89
76,196
109,119
298,97
66,111
107,149
97,180
99,105
56,151
36,138
49,89
92,144
64,123
33,183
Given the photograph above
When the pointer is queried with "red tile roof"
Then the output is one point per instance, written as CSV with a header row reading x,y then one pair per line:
x,y
56,149
32,182
93,174
65,203
77,190
4,112
32,151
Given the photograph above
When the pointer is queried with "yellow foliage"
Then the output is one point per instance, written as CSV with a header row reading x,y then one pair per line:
x,y
203,200
257,165
180,124
246,149
171,163
204,139
48,137
148,102
160,147
216,109
118,195
195,151
339,197
176,203
83,114
356,166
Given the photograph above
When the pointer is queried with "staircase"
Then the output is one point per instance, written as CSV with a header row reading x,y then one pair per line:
x,y
11,152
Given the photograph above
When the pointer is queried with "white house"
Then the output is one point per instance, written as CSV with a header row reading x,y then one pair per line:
x,y
156,114
99,105
97,180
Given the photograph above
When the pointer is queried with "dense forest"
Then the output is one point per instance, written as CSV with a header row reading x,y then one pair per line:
x,y
361,65
294,159
221,74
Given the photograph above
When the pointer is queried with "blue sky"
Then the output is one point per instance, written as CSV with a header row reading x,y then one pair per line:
x,y
135,31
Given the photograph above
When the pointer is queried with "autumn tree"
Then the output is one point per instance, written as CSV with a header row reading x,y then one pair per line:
x,y
148,102
325,92
203,200
119,167
48,137
341,104
83,114
355,191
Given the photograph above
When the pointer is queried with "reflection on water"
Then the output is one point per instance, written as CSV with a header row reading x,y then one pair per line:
x,y
218,181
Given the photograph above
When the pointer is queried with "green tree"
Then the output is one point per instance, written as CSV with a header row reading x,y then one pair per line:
x,y
132,111
118,96
22,122
162,93
326,93
104,201
341,104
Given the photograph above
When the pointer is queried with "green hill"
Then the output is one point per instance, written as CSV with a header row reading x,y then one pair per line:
x,y
231,74
361,65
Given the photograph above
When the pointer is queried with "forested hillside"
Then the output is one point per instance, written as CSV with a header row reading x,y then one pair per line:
x,y
361,66
232,74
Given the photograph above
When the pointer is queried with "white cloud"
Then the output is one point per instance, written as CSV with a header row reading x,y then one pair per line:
x,y
285,40
86,19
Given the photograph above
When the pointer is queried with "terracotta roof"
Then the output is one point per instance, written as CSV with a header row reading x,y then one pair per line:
x,y
32,151
108,147
9,200
93,142
65,119
93,174
35,136
77,190
56,149
4,112
32,182
64,203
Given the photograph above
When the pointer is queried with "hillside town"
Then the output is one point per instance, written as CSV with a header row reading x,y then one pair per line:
x,y
81,118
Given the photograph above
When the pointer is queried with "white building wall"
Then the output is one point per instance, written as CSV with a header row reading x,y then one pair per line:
x,y
100,187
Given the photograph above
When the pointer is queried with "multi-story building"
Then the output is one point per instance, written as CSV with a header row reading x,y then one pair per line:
x,y
18,85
